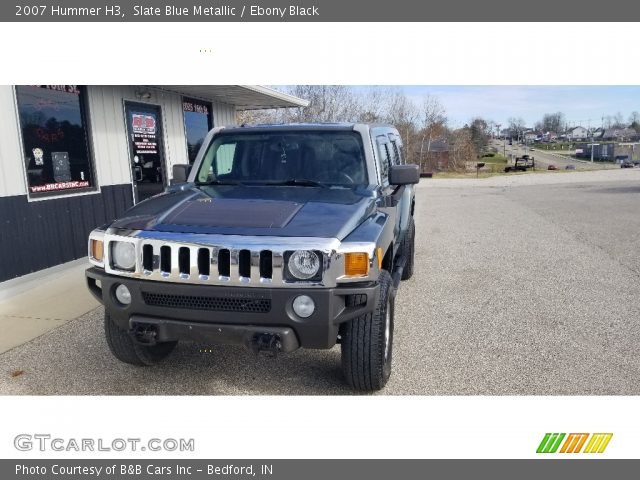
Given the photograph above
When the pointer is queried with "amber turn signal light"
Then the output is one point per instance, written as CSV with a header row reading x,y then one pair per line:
x,y
356,264
97,250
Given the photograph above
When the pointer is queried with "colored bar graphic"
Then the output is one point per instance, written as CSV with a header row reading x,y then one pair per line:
x,y
550,442
569,443
543,443
575,441
598,442
581,443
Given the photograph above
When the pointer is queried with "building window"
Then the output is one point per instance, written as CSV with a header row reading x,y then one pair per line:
x,y
197,123
54,136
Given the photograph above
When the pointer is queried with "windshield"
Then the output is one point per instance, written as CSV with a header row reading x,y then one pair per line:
x,y
290,158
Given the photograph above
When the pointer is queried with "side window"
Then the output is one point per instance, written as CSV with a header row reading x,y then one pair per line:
x,y
396,149
397,158
385,160
224,158
217,161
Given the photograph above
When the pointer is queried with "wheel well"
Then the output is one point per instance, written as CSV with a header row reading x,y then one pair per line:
x,y
387,260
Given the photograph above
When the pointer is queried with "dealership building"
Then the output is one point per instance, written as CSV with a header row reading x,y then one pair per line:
x,y
75,157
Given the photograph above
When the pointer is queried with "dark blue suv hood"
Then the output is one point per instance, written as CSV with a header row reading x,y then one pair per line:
x,y
291,211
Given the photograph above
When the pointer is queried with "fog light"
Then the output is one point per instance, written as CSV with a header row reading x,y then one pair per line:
x,y
123,294
303,306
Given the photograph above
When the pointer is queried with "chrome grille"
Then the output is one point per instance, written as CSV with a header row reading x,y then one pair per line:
x,y
214,259
208,263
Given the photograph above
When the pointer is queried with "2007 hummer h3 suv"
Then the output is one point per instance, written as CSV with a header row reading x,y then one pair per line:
x,y
278,237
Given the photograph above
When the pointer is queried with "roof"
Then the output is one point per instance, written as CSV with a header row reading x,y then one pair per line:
x,y
243,97
325,126
619,132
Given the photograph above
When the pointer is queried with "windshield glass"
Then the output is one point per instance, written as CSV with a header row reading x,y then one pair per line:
x,y
291,158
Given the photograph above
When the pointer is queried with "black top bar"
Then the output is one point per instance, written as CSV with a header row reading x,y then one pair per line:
x,y
318,11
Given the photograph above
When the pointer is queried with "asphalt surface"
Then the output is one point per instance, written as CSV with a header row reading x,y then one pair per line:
x,y
524,285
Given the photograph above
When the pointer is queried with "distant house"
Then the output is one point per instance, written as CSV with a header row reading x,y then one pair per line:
x,y
549,136
434,155
597,133
531,136
577,133
620,134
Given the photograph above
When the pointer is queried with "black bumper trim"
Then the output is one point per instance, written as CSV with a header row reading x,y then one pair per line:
x,y
320,330
170,330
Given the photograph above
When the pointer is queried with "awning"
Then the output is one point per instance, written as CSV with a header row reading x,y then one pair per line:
x,y
243,97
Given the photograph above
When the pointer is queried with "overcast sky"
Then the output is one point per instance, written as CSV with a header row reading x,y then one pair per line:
x,y
579,103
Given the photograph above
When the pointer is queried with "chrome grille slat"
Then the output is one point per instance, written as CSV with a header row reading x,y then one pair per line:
x,y
255,266
277,265
175,270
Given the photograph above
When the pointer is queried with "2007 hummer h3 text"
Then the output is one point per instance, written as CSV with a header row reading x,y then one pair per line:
x,y
278,237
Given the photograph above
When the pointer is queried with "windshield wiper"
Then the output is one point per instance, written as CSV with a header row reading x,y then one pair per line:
x,y
295,182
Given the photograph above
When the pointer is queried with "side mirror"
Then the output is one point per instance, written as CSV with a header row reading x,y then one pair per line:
x,y
404,174
180,173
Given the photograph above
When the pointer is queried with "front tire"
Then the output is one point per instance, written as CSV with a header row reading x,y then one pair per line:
x,y
409,250
367,343
127,350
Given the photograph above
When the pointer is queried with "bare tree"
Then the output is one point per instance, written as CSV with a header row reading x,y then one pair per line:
x,y
634,121
618,121
403,114
552,122
432,122
327,103
461,149
516,126
479,129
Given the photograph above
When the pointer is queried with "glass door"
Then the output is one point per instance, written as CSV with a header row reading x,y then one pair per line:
x,y
144,132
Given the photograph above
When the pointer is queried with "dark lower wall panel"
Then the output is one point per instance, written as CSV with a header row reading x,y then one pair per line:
x,y
37,235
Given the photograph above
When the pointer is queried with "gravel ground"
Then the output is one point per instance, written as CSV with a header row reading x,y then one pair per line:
x,y
524,285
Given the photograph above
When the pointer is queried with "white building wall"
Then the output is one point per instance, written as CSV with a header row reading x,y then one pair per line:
x,y
108,125
108,133
12,181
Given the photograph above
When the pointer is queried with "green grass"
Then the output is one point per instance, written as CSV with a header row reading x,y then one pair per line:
x,y
497,158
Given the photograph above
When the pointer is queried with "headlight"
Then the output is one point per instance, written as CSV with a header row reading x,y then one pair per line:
x,y
304,264
123,255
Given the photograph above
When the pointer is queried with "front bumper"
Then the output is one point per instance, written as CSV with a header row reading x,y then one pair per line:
x,y
231,315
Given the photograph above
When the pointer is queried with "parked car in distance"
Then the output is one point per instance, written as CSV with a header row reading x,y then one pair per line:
x,y
552,167
626,164
570,167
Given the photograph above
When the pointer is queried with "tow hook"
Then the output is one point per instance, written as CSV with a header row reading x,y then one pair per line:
x,y
268,343
144,333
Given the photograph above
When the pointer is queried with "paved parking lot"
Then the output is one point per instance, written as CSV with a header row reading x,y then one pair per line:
x,y
524,285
